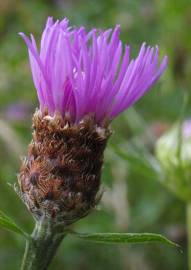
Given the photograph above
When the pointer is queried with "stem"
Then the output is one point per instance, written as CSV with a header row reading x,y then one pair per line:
x,y
189,233
41,248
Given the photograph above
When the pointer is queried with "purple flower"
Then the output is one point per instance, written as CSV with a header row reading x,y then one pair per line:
x,y
80,72
186,129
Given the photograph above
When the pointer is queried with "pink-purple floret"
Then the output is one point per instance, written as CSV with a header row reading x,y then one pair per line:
x,y
80,72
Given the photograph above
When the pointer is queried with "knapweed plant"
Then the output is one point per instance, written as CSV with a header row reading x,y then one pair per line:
x,y
83,81
173,150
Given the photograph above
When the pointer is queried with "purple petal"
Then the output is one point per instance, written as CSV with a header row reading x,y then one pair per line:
x,y
80,72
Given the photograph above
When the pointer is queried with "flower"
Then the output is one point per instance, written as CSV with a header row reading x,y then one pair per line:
x,y
186,129
80,72
83,80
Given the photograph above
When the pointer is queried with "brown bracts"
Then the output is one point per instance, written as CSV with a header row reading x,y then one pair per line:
x,y
60,177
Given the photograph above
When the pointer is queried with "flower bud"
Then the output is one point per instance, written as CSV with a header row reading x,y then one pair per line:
x,y
173,150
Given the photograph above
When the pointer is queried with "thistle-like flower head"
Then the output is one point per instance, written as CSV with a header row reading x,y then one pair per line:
x,y
80,72
83,80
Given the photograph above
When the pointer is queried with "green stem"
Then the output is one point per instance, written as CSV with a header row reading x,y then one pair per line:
x,y
41,248
189,234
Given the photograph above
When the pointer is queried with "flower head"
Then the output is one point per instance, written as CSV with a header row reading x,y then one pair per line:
x,y
173,151
80,72
82,78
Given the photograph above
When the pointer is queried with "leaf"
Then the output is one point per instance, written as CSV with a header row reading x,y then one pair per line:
x,y
125,238
8,224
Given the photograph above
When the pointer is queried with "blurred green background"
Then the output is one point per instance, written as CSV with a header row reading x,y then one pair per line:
x,y
134,200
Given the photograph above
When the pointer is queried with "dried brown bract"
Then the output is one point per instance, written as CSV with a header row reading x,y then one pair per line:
x,y
60,177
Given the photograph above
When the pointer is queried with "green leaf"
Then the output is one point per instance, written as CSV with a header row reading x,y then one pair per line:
x,y
125,238
8,224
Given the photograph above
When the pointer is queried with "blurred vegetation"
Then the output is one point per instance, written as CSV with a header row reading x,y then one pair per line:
x,y
134,201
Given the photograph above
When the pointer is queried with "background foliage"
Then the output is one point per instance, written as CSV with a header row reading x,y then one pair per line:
x,y
133,201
